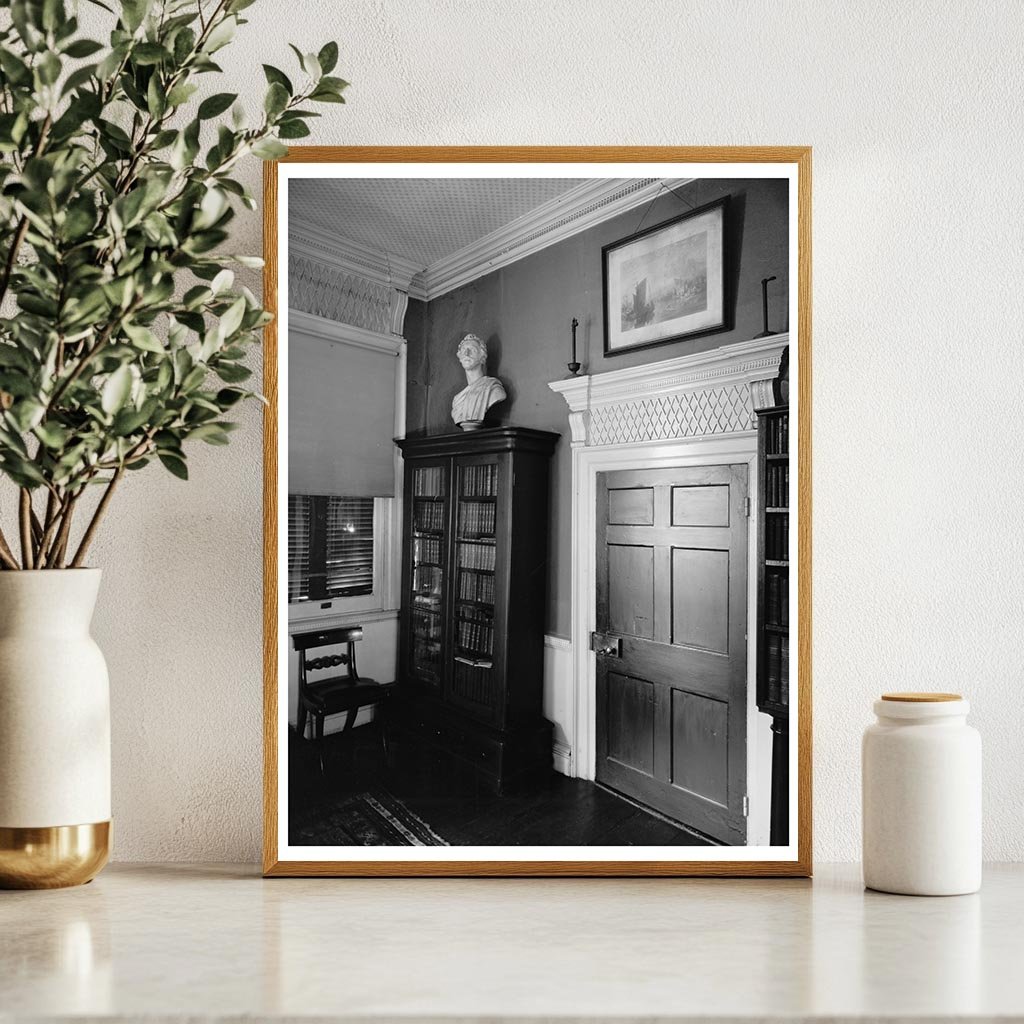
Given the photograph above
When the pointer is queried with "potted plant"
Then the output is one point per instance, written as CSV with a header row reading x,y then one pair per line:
x,y
122,340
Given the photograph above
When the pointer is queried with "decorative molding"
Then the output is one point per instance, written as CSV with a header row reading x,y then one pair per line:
x,y
578,209
561,757
324,329
350,257
699,395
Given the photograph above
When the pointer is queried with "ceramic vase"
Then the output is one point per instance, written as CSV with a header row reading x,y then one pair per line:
x,y
922,796
54,731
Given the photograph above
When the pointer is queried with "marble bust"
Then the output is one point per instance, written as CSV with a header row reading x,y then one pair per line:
x,y
470,405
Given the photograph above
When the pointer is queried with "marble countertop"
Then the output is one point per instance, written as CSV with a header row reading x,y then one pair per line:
x,y
177,942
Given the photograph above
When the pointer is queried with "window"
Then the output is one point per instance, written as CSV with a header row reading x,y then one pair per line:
x,y
330,547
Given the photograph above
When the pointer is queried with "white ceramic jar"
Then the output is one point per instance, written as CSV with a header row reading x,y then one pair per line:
x,y
922,796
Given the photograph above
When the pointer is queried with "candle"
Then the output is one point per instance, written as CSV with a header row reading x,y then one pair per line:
x,y
575,324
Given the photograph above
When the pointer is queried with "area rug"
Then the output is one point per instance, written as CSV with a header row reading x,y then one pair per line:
x,y
374,818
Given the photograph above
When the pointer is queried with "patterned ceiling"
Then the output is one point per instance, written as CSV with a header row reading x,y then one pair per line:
x,y
421,219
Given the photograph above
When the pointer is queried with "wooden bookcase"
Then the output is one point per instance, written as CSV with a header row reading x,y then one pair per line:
x,y
474,588
773,601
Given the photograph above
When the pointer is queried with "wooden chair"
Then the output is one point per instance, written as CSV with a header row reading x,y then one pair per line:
x,y
332,695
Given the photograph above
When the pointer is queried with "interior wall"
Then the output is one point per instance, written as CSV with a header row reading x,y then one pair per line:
x,y
523,312
918,481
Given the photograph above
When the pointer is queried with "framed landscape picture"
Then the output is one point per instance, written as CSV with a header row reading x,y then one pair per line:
x,y
567,632
667,282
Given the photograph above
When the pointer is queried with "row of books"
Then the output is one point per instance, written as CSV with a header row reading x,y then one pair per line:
x,y
776,440
426,584
428,515
477,518
426,625
426,549
476,586
480,481
776,594
778,669
776,537
777,486
429,482
475,636
473,555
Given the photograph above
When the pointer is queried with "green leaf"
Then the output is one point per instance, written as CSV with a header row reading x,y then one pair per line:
x,y
174,464
181,94
156,99
48,68
27,413
52,435
326,96
273,76
211,433
328,58
214,105
311,66
232,319
293,130
184,43
334,84
133,12
149,53
276,99
222,281
232,373
78,78
116,390
269,149
143,338
220,36
83,48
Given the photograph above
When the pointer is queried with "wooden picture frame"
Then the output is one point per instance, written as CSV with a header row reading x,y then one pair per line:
x,y
666,282
791,162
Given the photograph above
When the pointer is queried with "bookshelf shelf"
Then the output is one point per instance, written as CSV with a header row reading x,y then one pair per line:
x,y
773,549
475,686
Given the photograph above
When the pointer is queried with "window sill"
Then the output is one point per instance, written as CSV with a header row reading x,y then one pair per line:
x,y
330,618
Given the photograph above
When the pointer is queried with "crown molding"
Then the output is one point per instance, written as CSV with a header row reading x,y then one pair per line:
x,y
704,393
576,210
376,265
343,334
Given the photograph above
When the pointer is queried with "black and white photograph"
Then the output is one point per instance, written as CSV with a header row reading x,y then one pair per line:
x,y
538,513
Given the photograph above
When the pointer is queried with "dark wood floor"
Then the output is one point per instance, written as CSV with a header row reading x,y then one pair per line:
x,y
450,799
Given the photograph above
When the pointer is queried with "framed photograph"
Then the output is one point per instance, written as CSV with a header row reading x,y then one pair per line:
x,y
667,282
529,611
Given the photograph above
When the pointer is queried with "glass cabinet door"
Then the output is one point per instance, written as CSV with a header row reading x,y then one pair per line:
x,y
473,676
429,540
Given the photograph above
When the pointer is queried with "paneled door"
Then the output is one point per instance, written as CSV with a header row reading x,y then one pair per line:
x,y
672,643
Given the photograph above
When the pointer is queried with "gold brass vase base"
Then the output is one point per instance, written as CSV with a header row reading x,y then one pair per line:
x,y
53,857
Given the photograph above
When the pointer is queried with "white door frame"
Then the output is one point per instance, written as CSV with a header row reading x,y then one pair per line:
x,y
732,449
694,410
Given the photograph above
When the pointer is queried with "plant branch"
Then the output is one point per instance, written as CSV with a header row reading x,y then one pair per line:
x,y
55,558
86,358
94,523
25,520
6,554
22,229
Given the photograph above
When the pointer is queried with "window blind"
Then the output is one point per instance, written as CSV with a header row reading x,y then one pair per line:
x,y
349,542
330,547
300,509
341,418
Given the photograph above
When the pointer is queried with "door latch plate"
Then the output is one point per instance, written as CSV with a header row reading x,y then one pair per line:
x,y
607,645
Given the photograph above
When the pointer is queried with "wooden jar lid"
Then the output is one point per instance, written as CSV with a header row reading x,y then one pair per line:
x,y
921,698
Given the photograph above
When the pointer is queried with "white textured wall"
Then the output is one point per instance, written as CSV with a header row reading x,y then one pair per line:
x,y
914,112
